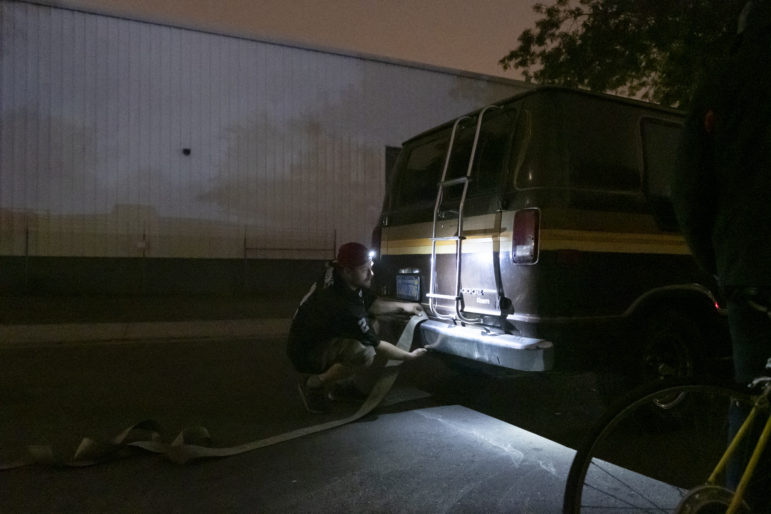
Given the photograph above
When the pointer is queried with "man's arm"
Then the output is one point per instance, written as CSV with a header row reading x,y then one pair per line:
x,y
380,307
394,352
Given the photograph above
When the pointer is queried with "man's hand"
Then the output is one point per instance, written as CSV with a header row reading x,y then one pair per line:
x,y
413,309
416,353
394,352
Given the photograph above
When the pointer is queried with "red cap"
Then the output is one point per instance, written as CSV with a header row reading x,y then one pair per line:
x,y
352,255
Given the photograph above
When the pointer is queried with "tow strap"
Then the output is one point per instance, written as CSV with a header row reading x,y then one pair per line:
x,y
193,443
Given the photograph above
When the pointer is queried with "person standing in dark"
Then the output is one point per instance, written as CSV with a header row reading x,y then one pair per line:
x,y
332,337
722,189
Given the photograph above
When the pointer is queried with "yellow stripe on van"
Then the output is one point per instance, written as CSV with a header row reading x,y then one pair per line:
x,y
422,246
612,242
550,240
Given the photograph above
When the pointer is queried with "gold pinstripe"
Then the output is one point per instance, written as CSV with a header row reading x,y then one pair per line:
x,y
550,240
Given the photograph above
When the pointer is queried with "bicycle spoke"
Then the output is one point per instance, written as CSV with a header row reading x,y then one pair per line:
x,y
627,484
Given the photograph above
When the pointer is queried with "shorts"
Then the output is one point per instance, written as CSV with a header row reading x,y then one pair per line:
x,y
349,352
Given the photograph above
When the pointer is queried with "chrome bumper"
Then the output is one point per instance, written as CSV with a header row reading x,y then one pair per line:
x,y
472,342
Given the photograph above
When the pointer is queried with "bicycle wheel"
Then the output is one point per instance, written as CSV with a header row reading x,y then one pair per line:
x,y
655,451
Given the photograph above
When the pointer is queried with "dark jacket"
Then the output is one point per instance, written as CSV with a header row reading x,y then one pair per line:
x,y
722,190
330,310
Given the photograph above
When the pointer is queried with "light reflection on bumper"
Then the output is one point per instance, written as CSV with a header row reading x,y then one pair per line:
x,y
472,342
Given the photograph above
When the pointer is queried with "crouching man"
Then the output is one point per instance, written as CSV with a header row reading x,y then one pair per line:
x,y
331,338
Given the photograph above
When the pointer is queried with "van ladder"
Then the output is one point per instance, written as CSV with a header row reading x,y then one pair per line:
x,y
433,295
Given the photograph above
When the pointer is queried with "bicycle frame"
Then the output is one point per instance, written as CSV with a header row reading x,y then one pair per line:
x,y
761,403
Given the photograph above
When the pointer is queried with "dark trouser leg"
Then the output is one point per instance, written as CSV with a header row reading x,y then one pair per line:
x,y
751,339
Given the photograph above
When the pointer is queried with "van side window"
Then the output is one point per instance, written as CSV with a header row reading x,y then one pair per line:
x,y
659,142
391,156
601,141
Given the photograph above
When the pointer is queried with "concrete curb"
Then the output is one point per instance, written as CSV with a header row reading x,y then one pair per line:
x,y
13,335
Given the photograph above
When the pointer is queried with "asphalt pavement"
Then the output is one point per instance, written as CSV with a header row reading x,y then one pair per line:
x,y
442,440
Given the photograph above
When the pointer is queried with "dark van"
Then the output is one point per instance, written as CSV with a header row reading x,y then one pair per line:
x,y
538,234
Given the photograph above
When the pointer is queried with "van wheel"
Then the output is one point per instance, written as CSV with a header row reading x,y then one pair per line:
x,y
667,346
660,345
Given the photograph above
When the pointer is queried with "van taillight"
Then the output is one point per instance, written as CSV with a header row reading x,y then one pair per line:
x,y
524,249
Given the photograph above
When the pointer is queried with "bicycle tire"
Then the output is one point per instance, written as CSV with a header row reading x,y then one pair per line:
x,y
640,457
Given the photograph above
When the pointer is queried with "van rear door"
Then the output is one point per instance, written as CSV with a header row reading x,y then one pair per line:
x,y
469,219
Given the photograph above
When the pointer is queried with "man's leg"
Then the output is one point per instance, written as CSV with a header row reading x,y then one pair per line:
x,y
338,371
343,359
313,395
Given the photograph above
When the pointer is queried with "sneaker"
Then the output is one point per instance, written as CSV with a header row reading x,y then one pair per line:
x,y
313,398
346,391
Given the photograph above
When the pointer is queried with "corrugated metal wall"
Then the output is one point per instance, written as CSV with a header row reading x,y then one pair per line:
x,y
286,145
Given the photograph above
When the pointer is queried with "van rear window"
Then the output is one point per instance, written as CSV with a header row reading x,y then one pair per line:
x,y
420,168
418,171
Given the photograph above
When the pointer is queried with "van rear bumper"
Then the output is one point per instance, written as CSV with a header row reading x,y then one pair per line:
x,y
472,342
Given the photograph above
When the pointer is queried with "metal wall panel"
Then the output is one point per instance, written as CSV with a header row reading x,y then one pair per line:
x,y
286,144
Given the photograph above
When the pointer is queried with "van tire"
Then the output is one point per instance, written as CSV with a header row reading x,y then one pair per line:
x,y
662,343
667,346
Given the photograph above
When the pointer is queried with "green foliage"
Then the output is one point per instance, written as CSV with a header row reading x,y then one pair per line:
x,y
655,50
